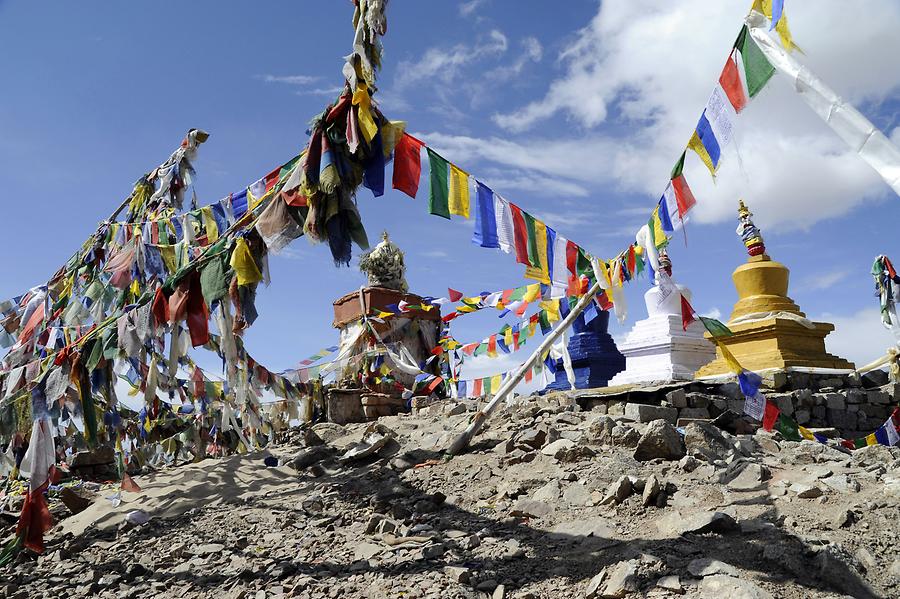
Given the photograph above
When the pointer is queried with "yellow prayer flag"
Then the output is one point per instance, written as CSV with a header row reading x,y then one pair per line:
x,y
243,263
362,99
659,234
533,292
871,440
730,359
168,256
806,433
696,145
784,32
495,383
542,273
551,307
209,223
459,191
508,337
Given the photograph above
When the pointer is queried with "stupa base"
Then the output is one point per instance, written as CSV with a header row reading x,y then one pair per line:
x,y
659,350
775,343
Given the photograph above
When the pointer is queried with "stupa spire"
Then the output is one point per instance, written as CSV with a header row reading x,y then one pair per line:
x,y
749,232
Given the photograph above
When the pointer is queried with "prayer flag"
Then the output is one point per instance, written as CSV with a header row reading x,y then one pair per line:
x,y
505,226
859,443
696,144
750,382
520,233
407,165
665,222
715,327
461,389
871,439
496,382
891,431
777,12
560,276
787,428
731,360
657,234
708,139
806,433
755,405
455,295
757,69
438,193
719,113
881,436
542,271
477,387
531,231
459,191
485,233
687,313
731,83
770,416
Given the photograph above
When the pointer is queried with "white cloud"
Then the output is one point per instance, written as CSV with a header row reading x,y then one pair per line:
x,y
860,337
532,52
320,91
647,64
467,8
823,281
290,79
445,64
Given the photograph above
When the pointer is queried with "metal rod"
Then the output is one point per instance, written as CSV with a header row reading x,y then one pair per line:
x,y
461,442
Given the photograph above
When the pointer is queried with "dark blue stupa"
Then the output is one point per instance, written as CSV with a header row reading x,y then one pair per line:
x,y
595,357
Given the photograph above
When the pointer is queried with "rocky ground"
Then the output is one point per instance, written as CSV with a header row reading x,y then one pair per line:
x,y
551,502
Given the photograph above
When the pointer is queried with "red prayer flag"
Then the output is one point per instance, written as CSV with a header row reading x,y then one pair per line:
x,y
687,313
520,232
476,387
272,179
572,257
35,519
730,79
407,165
528,376
631,260
770,416
683,195
455,295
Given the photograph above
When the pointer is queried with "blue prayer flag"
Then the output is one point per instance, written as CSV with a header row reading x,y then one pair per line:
x,y
708,138
485,233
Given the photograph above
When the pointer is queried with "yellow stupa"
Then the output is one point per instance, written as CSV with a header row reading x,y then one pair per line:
x,y
770,331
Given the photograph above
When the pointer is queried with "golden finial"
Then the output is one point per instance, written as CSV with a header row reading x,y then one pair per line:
x,y
743,211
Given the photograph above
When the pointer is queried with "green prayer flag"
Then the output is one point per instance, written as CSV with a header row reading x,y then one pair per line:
x,y
583,265
859,443
679,166
518,293
787,428
533,256
757,68
213,282
715,327
439,189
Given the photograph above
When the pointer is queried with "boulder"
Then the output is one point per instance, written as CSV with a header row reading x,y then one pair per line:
x,y
647,413
720,585
559,445
706,440
698,523
660,440
530,508
615,581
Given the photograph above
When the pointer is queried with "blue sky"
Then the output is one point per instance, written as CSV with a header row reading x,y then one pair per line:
x,y
574,113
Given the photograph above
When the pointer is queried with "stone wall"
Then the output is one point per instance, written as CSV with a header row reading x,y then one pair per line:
x,y
853,406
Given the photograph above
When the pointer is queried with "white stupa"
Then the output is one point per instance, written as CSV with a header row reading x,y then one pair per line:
x,y
658,349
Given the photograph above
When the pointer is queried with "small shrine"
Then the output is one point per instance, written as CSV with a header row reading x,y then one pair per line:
x,y
595,358
381,356
770,331
658,348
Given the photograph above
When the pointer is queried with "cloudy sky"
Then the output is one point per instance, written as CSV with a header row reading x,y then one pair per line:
x,y
576,111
